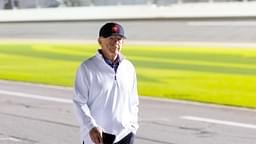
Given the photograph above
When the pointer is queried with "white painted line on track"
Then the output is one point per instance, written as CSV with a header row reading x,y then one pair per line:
x,y
222,122
10,139
40,97
48,98
8,82
151,98
156,98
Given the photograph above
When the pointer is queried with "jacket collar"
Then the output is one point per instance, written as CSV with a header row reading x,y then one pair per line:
x,y
99,55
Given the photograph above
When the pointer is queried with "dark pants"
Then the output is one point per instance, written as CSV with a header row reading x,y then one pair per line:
x,y
129,139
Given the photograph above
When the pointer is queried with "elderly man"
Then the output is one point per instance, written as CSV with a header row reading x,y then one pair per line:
x,y
105,92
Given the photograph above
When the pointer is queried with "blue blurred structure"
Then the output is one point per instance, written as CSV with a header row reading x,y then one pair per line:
x,y
24,4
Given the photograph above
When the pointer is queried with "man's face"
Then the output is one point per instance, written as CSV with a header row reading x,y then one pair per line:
x,y
111,45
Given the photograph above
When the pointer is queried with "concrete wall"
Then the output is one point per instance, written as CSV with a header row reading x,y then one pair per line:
x,y
202,10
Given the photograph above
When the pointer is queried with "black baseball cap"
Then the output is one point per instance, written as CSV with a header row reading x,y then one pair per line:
x,y
110,29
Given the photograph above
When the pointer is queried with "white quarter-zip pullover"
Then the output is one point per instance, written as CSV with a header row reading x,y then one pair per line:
x,y
105,98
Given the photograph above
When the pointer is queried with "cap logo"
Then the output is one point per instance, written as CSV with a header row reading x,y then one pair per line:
x,y
115,29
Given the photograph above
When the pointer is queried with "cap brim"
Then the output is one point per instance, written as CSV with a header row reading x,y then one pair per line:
x,y
116,34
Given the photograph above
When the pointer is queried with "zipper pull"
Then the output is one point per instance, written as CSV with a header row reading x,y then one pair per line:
x,y
115,77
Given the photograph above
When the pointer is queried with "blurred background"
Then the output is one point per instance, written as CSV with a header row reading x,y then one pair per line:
x,y
23,4
195,61
146,20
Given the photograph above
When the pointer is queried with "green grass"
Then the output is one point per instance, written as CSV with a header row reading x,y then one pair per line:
x,y
213,75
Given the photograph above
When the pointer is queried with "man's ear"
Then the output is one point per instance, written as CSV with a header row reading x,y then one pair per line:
x,y
99,40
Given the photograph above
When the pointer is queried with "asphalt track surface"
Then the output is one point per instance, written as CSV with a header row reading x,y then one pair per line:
x,y
39,114
179,30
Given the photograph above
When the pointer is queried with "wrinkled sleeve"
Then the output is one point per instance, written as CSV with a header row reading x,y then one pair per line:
x,y
134,103
80,99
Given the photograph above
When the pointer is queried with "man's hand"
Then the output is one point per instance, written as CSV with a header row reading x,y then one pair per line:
x,y
96,135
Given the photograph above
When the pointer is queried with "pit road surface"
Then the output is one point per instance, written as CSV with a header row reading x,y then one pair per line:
x,y
39,114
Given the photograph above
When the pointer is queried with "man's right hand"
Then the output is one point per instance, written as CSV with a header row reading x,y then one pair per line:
x,y
96,135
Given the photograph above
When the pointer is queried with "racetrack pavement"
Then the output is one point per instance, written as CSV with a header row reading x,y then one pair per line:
x,y
40,114
183,30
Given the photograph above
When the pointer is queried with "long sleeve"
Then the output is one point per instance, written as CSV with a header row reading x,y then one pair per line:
x,y
134,103
80,99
